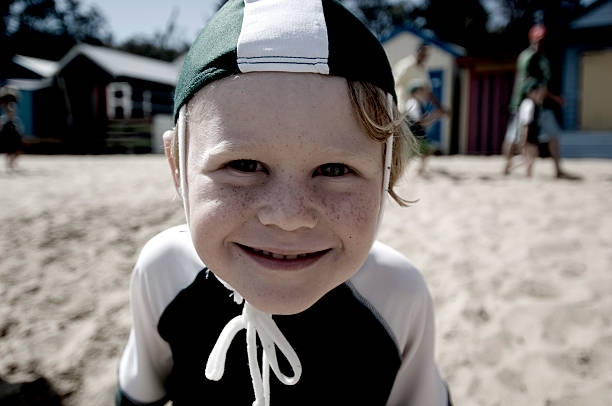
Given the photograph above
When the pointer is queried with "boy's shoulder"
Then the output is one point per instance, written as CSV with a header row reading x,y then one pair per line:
x,y
167,264
395,290
526,55
390,270
171,247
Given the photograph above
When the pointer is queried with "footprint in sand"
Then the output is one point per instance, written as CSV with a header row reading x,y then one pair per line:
x,y
571,323
532,288
585,362
573,269
493,349
476,314
512,380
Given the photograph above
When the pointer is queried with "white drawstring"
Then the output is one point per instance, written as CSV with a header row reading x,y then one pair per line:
x,y
387,167
388,149
182,147
256,323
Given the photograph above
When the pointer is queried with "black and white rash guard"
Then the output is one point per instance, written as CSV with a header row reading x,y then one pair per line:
x,y
369,341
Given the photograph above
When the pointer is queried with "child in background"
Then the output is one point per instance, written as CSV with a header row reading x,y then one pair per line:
x,y
418,120
10,129
287,140
529,122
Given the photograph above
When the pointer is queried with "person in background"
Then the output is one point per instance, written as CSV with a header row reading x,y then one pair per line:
x,y
10,129
411,68
529,122
418,119
409,71
533,66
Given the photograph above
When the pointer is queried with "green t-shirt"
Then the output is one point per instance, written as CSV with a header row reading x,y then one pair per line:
x,y
529,64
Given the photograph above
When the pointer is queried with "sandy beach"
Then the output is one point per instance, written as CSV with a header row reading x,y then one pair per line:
x,y
520,271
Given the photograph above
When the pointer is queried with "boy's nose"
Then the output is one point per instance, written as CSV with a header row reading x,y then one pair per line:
x,y
289,210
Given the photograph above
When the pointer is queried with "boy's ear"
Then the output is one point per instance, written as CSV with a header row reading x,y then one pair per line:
x,y
168,137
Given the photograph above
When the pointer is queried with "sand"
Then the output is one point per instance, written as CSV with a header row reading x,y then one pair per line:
x,y
520,271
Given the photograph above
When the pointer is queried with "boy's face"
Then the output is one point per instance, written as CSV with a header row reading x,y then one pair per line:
x,y
284,186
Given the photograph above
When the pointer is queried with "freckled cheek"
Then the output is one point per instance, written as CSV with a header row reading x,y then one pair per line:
x,y
219,204
356,210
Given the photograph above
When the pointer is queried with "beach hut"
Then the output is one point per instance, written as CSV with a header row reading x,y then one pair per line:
x,y
442,69
95,99
32,78
587,84
110,98
485,90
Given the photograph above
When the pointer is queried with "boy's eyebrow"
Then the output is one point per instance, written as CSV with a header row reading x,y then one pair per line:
x,y
225,147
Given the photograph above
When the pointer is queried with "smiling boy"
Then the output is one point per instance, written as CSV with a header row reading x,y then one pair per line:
x,y
283,151
280,182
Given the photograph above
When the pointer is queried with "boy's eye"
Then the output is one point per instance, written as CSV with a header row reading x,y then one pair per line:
x,y
245,165
332,170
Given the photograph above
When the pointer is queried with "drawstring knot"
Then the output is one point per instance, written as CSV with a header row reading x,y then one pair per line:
x,y
256,323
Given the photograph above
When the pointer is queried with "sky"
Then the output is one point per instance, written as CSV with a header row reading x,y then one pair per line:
x,y
127,18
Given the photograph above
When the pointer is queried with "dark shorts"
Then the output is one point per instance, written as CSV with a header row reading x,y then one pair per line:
x,y
10,139
424,147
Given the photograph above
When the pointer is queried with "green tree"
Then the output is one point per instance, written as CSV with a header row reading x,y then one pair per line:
x,y
500,28
164,44
27,24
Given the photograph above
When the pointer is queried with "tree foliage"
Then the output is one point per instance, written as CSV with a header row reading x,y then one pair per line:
x,y
468,22
60,24
48,28
164,44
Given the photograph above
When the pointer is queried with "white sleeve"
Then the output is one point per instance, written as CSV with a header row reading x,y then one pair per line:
x,y
526,112
418,381
146,360
399,294
413,109
165,266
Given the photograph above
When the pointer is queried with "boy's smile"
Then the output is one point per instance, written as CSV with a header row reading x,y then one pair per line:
x,y
283,259
284,186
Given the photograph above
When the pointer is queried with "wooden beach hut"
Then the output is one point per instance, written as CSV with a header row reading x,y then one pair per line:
x,y
485,90
110,98
32,79
587,84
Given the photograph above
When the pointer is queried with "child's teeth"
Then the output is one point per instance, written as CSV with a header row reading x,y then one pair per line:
x,y
280,256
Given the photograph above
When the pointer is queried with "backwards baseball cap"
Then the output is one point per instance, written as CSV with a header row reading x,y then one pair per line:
x,y
537,33
311,36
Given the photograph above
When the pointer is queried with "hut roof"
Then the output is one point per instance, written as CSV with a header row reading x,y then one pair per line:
x,y
122,64
42,67
599,15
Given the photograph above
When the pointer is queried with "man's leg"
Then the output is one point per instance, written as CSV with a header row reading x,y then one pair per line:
x,y
553,149
550,133
530,152
510,140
